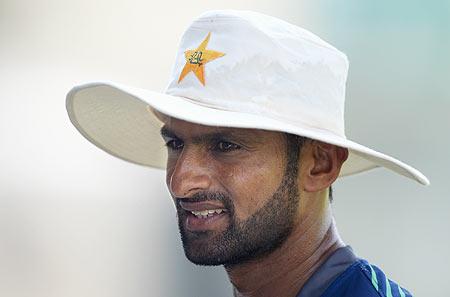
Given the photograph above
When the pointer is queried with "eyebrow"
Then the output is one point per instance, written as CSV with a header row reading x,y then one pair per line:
x,y
208,137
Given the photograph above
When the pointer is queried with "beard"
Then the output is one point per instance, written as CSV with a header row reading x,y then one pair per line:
x,y
243,241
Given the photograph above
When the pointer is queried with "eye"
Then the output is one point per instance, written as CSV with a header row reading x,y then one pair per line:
x,y
174,144
225,146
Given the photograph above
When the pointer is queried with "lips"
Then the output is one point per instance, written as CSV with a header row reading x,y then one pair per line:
x,y
204,215
201,206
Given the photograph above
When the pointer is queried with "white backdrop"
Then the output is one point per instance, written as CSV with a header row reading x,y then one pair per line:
x,y
75,221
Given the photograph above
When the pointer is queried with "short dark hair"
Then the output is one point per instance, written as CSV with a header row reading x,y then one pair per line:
x,y
294,146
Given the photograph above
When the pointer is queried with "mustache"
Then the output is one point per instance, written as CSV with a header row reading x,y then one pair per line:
x,y
207,196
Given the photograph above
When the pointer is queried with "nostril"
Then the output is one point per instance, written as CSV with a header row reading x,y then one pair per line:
x,y
188,183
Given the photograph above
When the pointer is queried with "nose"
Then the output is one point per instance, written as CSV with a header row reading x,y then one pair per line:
x,y
190,174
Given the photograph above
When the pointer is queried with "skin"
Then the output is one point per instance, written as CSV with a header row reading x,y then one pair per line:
x,y
249,165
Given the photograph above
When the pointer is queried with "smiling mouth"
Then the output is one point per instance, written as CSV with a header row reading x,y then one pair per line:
x,y
204,215
206,220
207,213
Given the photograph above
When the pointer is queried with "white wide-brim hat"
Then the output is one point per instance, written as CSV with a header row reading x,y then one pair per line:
x,y
233,69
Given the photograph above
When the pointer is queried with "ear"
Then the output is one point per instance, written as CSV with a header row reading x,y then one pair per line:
x,y
325,162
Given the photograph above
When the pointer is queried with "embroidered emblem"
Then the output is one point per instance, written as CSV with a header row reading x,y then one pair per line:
x,y
196,60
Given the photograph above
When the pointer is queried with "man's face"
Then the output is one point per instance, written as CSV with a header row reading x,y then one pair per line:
x,y
235,196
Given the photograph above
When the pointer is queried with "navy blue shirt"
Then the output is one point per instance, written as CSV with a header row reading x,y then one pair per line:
x,y
345,275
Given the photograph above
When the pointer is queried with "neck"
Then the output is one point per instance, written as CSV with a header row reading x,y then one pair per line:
x,y
285,271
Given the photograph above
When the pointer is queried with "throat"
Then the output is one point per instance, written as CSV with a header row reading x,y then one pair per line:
x,y
285,271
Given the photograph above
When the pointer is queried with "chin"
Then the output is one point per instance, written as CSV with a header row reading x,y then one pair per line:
x,y
203,252
206,248
205,261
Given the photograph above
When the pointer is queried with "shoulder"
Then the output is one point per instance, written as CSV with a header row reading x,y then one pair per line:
x,y
363,279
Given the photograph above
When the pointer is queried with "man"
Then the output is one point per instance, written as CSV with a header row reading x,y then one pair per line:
x,y
252,121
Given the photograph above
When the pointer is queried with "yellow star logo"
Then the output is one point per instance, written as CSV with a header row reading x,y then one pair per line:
x,y
196,60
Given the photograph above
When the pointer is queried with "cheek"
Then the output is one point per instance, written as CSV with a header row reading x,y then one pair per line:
x,y
252,184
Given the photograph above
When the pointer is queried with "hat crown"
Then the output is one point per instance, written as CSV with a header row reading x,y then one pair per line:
x,y
267,67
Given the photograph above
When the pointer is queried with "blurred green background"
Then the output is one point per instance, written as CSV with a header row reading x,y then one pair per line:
x,y
75,221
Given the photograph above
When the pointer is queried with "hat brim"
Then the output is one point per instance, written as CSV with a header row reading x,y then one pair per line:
x,y
117,119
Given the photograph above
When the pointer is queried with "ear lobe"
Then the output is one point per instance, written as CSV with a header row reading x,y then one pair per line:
x,y
327,160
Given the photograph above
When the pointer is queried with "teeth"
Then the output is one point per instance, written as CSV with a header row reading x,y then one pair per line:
x,y
203,214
